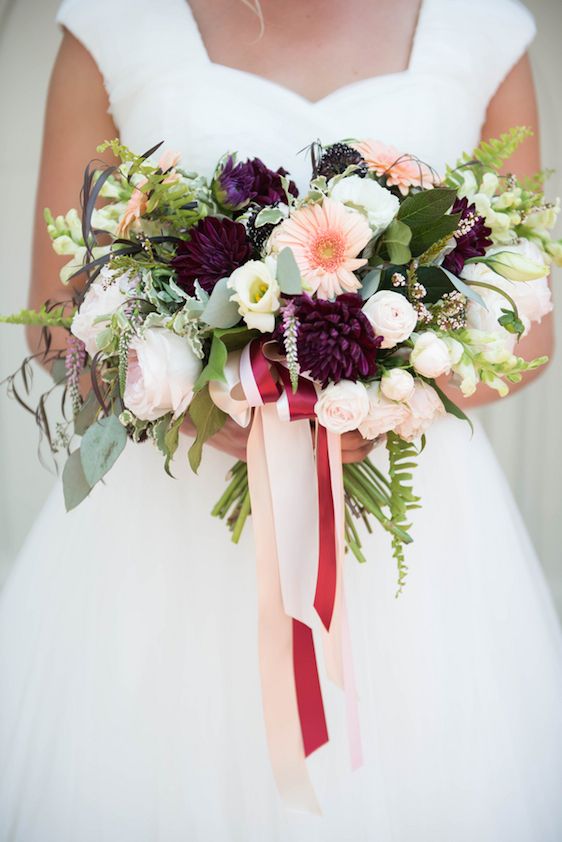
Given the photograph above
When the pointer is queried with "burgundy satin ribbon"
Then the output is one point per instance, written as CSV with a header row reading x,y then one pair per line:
x,y
307,683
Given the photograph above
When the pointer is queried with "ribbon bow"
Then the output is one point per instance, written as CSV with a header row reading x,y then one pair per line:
x,y
297,500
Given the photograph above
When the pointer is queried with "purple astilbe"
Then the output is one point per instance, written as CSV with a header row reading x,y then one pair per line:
x,y
472,237
290,327
235,186
74,362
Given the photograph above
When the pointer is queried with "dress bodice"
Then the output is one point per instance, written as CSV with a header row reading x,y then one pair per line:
x,y
162,85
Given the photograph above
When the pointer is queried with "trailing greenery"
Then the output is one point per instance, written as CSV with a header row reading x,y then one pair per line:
x,y
402,461
54,317
491,154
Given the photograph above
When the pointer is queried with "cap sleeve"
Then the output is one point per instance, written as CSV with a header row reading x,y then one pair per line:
x,y
475,41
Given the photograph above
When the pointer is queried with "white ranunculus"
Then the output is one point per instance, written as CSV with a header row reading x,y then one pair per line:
x,y
256,292
384,414
397,384
103,298
365,195
342,406
430,355
161,374
424,407
392,317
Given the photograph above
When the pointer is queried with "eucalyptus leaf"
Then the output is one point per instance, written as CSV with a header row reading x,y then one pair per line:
x,y
370,283
208,420
268,216
58,371
288,273
220,311
102,444
74,483
87,414
464,288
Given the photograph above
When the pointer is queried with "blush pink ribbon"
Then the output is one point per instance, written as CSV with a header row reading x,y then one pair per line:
x,y
297,501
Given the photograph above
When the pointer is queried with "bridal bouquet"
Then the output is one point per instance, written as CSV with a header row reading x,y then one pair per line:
x,y
304,316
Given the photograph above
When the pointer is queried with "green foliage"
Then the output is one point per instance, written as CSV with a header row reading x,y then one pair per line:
x,y
489,156
166,433
208,420
220,311
74,483
288,273
402,456
101,446
54,317
450,406
395,243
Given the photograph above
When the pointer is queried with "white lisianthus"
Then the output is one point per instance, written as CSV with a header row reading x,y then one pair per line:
x,y
103,298
342,406
383,415
430,355
514,265
367,196
424,407
256,292
397,384
161,374
391,315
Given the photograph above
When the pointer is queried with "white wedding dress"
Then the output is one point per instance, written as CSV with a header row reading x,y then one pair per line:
x,y
130,707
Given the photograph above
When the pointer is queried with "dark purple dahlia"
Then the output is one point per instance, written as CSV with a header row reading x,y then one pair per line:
x,y
472,237
236,185
335,339
216,247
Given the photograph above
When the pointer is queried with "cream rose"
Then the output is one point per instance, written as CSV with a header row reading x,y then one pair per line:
x,y
256,292
397,384
383,415
430,355
342,406
365,195
424,407
103,298
161,374
391,315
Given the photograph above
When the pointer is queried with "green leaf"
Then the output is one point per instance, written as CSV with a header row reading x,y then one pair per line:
x,y
58,371
171,441
268,216
74,483
396,242
464,288
214,370
423,209
236,338
451,407
288,273
208,420
425,236
87,414
370,283
102,444
220,311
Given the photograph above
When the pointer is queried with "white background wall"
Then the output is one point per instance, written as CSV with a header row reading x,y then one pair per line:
x,y
525,429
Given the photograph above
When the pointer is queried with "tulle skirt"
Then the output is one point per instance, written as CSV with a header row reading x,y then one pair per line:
x,y
130,706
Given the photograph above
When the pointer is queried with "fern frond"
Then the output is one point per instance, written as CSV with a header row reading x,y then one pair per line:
x,y
489,155
402,460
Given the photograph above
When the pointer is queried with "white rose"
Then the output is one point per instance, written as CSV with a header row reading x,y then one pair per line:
x,y
103,298
342,406
161,374
363,194
256,292
430,355
391,315
397,384
383,415
424,407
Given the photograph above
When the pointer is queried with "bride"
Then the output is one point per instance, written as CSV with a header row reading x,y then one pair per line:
x,y
130,705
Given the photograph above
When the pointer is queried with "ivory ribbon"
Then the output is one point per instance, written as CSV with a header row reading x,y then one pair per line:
x,y
298,521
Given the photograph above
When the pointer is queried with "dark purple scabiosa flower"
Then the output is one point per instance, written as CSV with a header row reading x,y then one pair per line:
x,y
472,237
216,247
235,186
335,340
338,157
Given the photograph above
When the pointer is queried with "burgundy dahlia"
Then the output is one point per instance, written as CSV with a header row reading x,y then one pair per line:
x,y
236,185
335,340
472,237
216,247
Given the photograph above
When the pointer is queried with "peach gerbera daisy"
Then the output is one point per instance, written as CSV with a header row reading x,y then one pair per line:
x,y
325,240
401,170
